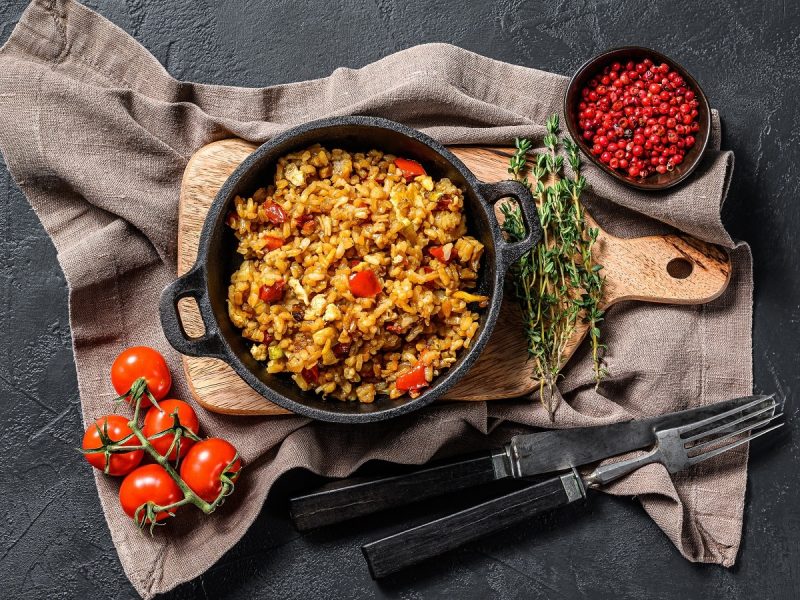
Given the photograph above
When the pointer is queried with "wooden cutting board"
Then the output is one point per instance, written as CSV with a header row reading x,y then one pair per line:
x,y
666,269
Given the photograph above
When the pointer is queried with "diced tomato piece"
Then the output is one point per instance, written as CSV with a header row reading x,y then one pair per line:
x,y
437,252
272,293
412,380
444,202
306,223
273,242
364,284
311,375
440,254
275,213
410,168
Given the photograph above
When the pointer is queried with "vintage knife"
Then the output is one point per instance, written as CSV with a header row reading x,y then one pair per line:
x,y
524,456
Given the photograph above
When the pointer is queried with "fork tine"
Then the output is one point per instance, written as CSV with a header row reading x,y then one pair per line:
x,y
732,434
701,457
729,424
707,421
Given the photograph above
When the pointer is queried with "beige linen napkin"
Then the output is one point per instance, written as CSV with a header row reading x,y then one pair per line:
x,y
97,134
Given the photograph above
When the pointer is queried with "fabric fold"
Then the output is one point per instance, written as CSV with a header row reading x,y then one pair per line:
x,y
96,133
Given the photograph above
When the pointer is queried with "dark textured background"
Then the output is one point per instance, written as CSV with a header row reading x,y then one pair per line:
x,y
53,540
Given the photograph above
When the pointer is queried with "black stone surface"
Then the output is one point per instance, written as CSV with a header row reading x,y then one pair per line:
x,y
53,540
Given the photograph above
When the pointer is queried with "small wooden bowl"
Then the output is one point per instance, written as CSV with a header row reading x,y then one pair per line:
x,y
592,67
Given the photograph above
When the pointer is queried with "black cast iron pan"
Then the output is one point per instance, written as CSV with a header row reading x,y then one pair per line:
x,y
207,281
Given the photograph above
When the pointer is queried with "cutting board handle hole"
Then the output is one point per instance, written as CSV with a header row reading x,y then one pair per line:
x,y
680,268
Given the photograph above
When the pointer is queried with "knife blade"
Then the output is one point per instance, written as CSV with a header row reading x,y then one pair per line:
x,y
558,450
524,456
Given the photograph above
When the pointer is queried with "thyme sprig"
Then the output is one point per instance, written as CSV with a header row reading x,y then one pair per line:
x,y
557,282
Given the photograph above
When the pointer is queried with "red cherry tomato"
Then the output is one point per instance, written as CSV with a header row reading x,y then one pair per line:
x,y
204,465
149,483
141,361
156,421
275,213
410,168
272,293
413,379
113,428
273,243
364,284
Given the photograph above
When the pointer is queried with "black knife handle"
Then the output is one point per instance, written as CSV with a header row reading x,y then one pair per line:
x,y
350,498
403,549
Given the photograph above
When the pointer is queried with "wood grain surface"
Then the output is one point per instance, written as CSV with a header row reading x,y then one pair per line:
x,y
666,269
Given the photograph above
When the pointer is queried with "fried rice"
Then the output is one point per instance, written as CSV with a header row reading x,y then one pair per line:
x,y
357,275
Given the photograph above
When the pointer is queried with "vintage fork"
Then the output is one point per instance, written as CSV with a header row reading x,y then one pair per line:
x,y
676,448
681,447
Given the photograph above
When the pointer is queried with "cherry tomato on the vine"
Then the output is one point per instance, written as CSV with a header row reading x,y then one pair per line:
x,y
149,483
205,463
114,428
141,361
156,421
